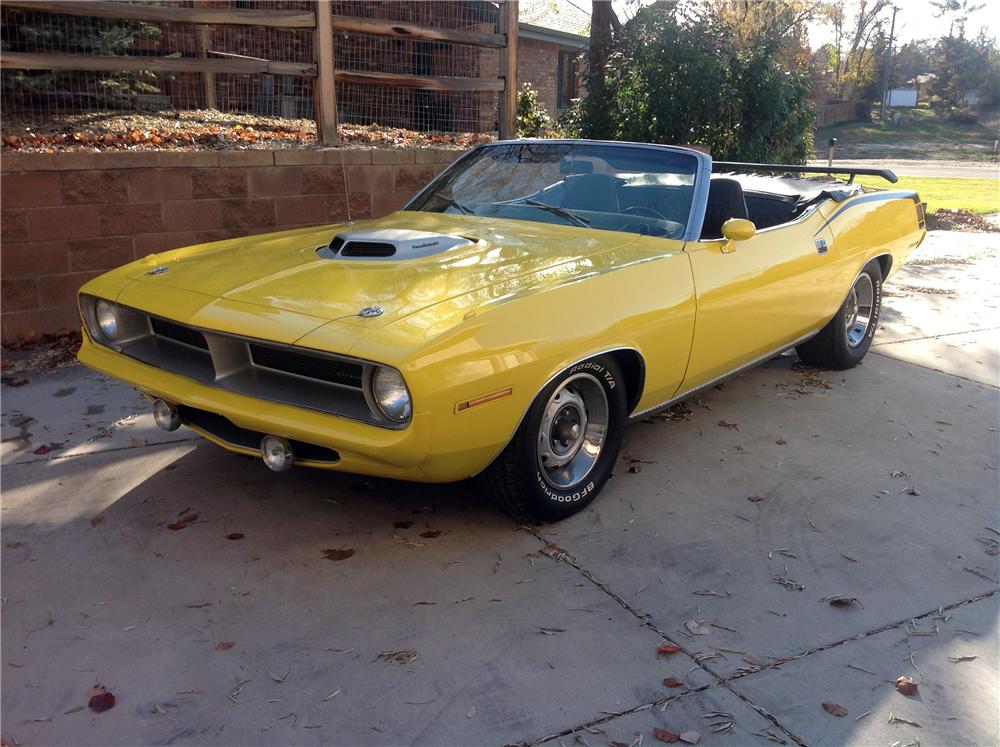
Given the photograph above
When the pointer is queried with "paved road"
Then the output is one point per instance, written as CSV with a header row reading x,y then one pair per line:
x,y
946,169
450,625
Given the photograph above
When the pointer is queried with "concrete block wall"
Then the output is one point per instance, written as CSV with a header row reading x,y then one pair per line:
x,y
67,217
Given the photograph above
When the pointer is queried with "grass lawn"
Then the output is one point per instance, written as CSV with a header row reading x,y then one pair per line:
x,y
924,135
978,195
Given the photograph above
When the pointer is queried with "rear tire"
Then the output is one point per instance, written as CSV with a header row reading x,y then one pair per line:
x,y
845,340
566,446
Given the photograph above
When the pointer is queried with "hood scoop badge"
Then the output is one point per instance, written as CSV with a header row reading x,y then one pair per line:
x,y
389,244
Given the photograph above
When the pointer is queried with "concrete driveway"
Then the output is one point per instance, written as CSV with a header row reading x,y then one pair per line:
x,y
750,508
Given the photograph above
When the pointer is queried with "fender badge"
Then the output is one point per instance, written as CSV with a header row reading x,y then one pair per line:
x,y
821,247
158,270
369,311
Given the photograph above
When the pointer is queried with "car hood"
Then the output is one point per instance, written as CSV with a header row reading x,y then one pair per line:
x,y
284,273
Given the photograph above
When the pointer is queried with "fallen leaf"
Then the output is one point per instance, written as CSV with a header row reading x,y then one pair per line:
x,y
471,713
667,649
754,498
906,686
101,699
957,659
753,661
397,657
993,550
182,522
136,443
431,534
664,735
235,536
341,554
95,520
781,442
911,491
225,645
402,524
730,426
41,450
551,631
833,709
691,737
695,628
673,682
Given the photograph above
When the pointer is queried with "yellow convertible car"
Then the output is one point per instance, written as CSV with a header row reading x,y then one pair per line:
x,y
510,320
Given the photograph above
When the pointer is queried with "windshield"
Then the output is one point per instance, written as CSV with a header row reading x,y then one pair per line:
x,y
588,185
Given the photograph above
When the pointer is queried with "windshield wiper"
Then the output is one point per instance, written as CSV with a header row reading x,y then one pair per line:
x,y
562,212
451,201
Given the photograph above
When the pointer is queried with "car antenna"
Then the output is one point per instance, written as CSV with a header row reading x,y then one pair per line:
x,y
343,173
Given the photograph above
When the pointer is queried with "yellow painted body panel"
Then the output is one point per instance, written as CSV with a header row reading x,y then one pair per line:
x,y
522,303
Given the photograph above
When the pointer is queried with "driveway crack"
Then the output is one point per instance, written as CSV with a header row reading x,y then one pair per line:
x,y
560,554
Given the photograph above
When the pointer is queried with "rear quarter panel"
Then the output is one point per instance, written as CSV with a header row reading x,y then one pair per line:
x,y
874,224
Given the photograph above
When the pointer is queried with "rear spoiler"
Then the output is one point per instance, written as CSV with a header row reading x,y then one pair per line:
x,y
790,169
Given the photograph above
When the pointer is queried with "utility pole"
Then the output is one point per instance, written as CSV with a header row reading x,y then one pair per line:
x,y
888,63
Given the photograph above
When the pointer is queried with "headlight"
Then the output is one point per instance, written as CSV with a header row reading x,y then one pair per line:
x,y
107,319
391,394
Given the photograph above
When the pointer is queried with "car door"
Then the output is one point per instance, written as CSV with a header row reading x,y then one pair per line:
x,y
757,296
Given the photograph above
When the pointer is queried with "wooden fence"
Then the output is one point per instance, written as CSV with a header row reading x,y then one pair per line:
x,y
321,19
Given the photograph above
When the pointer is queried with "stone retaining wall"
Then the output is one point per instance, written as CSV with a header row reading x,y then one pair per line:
x,y
67,217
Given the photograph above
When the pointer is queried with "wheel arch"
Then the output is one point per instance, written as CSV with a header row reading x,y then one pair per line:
x,y
633,367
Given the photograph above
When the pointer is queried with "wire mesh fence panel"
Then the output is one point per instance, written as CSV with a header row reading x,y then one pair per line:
x,y
64,98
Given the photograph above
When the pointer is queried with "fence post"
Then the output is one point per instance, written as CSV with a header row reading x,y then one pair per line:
x,y
326,90
507,24
203,35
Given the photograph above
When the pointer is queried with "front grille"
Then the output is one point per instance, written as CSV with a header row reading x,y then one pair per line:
x,y
324,382
334,371
178,333
226,430
367,249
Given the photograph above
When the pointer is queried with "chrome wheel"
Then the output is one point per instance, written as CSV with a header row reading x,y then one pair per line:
x,y
573,430
859,309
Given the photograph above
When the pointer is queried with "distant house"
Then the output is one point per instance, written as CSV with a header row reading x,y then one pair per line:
x,y
552,44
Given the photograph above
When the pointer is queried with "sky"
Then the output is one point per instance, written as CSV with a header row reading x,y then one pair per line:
x,y
915,20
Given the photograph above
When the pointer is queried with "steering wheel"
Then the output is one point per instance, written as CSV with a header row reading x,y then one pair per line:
x,y
649,212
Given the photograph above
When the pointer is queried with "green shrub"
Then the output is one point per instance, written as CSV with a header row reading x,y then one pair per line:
x,y
689,83
532,118
963,117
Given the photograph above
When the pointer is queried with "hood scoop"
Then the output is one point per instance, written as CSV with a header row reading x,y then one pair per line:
x,y
389,243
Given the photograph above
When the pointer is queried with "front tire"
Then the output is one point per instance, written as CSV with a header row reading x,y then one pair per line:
x,y
845,340
566,447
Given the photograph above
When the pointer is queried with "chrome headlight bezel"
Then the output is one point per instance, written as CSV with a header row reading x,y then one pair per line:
x,y
109,323
390,394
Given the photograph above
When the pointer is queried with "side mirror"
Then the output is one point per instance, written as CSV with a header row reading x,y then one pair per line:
x,y
736,229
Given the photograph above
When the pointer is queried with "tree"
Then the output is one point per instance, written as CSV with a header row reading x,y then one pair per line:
x,y
961,65
602,22
910,60
956,12
681,75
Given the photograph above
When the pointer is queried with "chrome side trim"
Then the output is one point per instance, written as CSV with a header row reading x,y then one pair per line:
x,y
735,372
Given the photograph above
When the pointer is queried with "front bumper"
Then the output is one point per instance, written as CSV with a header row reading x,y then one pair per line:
x,y
362,448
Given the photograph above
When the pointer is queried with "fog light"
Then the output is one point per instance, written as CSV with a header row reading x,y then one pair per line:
x,y
165,416
276,453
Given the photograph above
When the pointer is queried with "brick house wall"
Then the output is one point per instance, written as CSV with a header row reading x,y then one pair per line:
x,y
538,64
68,217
